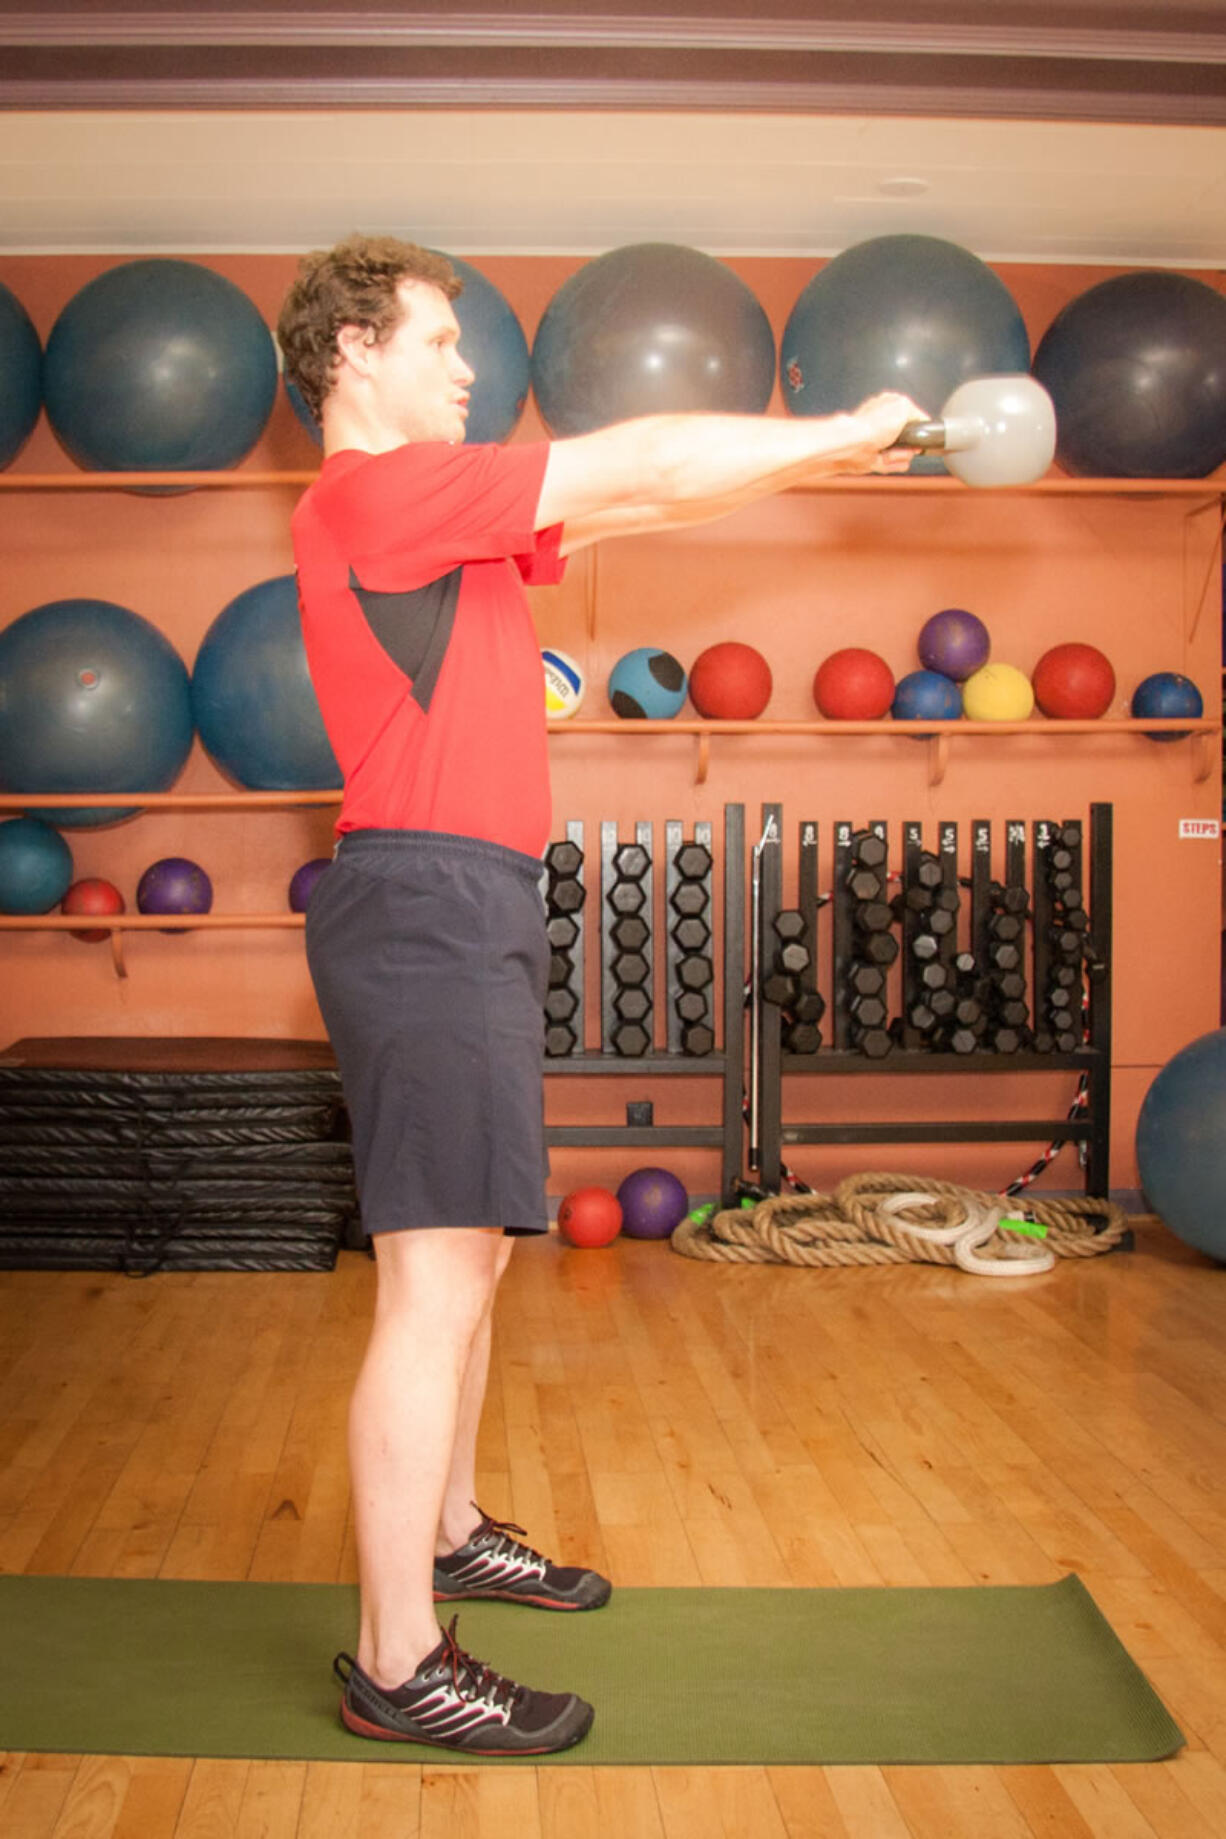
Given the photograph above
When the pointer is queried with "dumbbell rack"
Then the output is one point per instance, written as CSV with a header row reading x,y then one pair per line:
x,y
1038,1048
600,911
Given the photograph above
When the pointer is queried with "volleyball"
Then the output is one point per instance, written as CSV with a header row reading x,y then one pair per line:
x,y
564,685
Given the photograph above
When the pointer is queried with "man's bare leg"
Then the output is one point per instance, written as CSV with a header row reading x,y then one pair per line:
x,y
457,1520
435,1289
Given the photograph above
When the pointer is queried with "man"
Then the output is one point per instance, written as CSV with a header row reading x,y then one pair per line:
x,y
426,938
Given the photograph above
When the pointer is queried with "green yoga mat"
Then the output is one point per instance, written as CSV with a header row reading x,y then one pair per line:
x,y
976,1675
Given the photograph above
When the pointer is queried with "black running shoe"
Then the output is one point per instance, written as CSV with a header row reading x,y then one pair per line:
x,y
454,1702
497,1563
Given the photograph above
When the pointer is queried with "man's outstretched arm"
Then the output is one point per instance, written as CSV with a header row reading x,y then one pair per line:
x,y
684,469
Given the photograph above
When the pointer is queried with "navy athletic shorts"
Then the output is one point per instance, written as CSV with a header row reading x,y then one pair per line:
x,y
430,961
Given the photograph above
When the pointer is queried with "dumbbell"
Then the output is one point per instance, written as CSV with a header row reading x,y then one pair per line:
x,y
998,430
631,1040
565,893
632,1003
629,932
693,862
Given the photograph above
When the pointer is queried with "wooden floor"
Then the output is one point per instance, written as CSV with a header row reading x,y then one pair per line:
x,y
675,1423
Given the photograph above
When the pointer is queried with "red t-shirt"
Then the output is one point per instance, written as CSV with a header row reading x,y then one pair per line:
x,y
419,637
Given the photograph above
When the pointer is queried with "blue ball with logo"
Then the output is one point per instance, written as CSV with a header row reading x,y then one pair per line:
x,y
647,685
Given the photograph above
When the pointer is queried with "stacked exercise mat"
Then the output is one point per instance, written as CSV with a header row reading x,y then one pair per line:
x,y
148,1155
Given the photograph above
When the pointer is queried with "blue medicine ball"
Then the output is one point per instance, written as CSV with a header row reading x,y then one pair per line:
x,y
926,695
35,866
910,313
647,684
159,365
1167,694
93,698
21,367
253,699
1181,1147
646,329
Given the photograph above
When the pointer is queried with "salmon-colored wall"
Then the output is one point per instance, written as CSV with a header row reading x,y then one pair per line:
x,y
798,577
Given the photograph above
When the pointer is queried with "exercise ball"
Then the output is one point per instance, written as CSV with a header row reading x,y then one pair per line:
x,y
730,682
174,884
564,684
493,345
159,365
648,328
1136,367
1073,682
92,895
590,1217
92,699
35,866
21,369
647,684
252,696
305,880
997,693
954,642
853,685
653,1202
926,695
905,312
1166,694
1181,1147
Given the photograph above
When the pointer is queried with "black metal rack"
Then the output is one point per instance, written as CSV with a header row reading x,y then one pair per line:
x,y
724,1063
1092,1058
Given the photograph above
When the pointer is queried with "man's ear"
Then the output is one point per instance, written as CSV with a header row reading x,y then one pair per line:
x,y
354,345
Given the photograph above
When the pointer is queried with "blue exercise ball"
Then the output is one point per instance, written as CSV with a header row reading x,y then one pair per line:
x,y
1136,368
35,866
647,685
21,373
161,366
492,343
926,695
909,313
93,698
252,696
650,328
1181,1146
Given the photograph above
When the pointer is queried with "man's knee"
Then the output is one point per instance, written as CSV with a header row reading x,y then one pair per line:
x,y
445,1273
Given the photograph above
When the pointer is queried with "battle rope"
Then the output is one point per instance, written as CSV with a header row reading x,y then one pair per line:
x,y
905,1219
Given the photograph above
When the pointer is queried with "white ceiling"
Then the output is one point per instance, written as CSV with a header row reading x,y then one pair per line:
x,y
491,182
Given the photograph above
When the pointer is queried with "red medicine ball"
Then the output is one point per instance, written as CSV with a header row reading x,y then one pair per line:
x,y
730,682
1074,683
589,1217
854,685
93,895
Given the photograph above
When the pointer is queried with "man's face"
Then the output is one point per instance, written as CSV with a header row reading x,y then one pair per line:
x,y
423,381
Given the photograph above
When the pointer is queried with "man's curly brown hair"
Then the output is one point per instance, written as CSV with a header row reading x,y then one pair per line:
x,y
353,284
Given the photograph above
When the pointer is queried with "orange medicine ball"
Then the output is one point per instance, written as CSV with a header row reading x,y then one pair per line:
x,y
730,682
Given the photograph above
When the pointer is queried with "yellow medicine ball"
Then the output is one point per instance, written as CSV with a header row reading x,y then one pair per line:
x,y
997,693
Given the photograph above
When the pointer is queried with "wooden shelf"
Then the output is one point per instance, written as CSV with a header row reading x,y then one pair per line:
x,y
141,482
116,924
1055,485
1204,734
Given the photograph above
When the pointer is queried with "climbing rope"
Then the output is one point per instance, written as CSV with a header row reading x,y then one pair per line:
x,y
905,1219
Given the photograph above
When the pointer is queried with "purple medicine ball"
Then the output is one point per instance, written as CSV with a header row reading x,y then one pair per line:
x,y
653,1202
954,642
304,882
174,885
